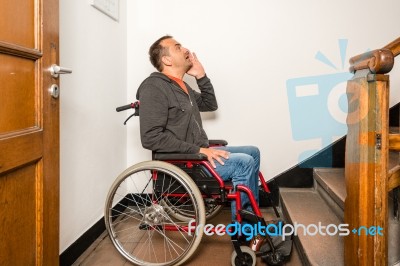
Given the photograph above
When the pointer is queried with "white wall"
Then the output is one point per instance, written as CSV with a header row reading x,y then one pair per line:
x,y
250,50
93,139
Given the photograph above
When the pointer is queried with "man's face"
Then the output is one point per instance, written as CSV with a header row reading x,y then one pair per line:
x,y
178,55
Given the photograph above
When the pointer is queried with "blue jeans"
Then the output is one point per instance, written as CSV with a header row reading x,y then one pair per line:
x,y
241,168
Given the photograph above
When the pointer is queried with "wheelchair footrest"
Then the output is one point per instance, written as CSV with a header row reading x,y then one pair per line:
x,y
250,217
281,248
280,255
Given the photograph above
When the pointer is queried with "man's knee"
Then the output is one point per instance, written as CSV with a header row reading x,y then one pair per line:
x,y
244,163
245,159
255,151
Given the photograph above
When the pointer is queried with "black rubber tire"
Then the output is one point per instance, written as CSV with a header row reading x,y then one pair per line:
x,y
142,216
250,257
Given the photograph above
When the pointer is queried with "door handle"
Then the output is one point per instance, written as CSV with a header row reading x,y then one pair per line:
x,y
55,70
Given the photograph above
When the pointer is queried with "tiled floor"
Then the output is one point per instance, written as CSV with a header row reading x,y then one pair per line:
x,y
213,250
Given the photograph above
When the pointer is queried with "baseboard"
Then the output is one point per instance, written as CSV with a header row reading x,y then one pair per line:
x,y
73,252
301,175
394,115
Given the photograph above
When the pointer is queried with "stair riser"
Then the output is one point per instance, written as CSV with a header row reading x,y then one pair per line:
x,y
302,254
336,208
306,206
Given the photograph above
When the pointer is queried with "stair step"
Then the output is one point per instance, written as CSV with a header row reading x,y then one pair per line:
x,y
330,183
306,206
393,236
330,189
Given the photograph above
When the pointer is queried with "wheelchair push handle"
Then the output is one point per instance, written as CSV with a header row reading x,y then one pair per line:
x,y
126,107
134,105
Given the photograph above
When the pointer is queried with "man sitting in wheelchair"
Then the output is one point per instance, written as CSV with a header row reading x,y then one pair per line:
x,y
163,202
170,120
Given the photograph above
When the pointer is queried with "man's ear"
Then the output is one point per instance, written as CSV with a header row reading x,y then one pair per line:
x,y
166,60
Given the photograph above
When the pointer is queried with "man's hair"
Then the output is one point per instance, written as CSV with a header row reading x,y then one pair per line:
x,y
157,51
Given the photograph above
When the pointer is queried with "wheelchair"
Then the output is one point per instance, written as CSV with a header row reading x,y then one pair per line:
x,y
153,209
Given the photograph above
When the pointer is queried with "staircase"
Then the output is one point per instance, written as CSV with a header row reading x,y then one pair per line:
x,y
359,196
324,203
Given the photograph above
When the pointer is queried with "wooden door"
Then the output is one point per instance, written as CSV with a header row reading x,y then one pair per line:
x,y
29,133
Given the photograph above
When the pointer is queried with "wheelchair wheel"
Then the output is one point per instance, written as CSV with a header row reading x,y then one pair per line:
x,y
139,225
249,257
183,209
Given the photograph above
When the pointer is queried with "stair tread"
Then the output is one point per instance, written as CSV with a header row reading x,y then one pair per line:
x,y
324,204
333,181
305,206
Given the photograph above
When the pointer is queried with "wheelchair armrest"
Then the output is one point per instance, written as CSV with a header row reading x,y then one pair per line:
x,y
162,156
217,142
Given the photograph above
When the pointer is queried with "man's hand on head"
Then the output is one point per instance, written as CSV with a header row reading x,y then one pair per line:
x,y
215,154
197,69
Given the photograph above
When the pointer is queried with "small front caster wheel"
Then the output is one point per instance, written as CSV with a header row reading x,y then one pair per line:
x,y
248,258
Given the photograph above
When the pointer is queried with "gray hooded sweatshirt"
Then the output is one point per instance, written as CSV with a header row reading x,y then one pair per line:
x,y
169,118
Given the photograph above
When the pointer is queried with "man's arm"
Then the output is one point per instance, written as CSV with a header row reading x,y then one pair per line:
x,y
206,100
153,119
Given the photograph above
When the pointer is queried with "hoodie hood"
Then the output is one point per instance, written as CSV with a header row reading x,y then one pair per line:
x,y
155,76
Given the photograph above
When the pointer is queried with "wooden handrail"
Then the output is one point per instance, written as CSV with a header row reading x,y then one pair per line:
x,y
394,177
394,142
394,47
378,61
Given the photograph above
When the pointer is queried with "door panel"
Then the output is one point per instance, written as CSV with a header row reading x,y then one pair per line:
x,y
20,149
19,102
29,133
17,190
17,22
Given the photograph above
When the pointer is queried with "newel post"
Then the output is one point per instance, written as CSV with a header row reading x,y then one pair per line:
x,y
366,167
